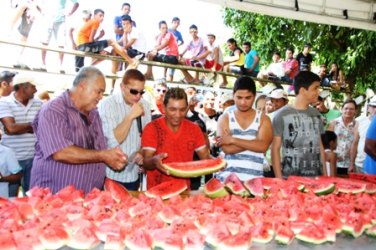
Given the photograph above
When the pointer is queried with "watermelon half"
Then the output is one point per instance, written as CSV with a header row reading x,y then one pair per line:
x,y
214,188
167,189
255,186
194,168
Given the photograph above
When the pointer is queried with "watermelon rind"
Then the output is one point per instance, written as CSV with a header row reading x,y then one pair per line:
x,y
311,240
324,190
255,187
200,170
215,189
371,231
351,189
349,230
283,240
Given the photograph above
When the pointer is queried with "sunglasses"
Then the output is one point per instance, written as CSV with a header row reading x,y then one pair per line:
x,y
136,92
161,90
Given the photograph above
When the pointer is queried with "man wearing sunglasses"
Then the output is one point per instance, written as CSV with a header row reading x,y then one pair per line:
x,y
120,114
171,138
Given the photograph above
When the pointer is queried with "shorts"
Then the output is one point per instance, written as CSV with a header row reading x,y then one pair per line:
x,y
25,25
133,53
237,69
166,59
193,63
94,47
59,32
209,64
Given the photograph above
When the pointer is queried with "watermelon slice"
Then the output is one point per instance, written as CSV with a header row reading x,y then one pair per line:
x,y
255,187
364,177
167,189
194,168
7,242
240,241
214,189
320,187
139,239
165,238
311,234
350,188
118,191
284,235
235,185
53,237
354,224
371,231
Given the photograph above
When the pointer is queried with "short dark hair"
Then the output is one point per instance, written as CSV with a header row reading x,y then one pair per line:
x,y
277,53
349,101
175,93
96,11
231,40
327,137
211,34
308,45
244,83
193,26
304,79
6,76
126,18
125,4
247,44
132,74
161,22
290,49
174,19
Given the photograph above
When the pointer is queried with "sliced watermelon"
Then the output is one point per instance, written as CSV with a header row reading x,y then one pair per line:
x,y
194,240
169,214
371,231
165,238
255,187
53,237
195,168
261,233
214,188
118,191
7,241
235,185
311,234
320,188
364,177
351,188
139,239
239,241
354,224
167,189
284,235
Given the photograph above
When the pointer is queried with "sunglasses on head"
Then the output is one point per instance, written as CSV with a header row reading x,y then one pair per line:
x,y
136,92
161,90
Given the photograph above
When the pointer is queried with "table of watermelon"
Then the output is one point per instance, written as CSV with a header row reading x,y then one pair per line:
x,y
262,213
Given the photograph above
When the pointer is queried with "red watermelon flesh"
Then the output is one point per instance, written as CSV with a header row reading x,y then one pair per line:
x,y
169,214
109,227
235,185
261,233
194,168
30,239
312,234
81,234
284,235
70,193
167,189
214,188
217,232
364,177
139,239
194,240
118,191
240,241
7,241
166,238
255,187
354,224
53,237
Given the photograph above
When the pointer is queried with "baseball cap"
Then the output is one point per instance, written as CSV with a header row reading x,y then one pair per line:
x,y
278,94
372,102
24,78
226,97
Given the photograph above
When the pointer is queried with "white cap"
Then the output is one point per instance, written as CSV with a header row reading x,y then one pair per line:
x,y
24,78
372,102
226,97
278,94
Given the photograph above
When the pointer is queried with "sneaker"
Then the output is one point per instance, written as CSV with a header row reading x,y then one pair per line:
x,y
140,56
41,68
21,66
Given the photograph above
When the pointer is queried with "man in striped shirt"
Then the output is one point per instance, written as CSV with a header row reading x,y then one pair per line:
x,y
120,114
244,133
17,111
71,148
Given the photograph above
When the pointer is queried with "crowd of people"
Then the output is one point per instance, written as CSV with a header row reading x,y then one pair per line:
x,y
79,139
130,43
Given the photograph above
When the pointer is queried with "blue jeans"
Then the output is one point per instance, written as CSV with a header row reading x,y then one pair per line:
x,y
26,166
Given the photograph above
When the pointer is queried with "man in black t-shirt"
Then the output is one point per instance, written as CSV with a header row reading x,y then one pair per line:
x,y
304,58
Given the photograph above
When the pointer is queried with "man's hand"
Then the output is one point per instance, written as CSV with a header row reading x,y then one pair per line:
x,y
115,158
136,110
157,162
137,158
225,139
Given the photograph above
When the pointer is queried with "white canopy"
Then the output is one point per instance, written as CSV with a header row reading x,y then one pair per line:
x,y
360,14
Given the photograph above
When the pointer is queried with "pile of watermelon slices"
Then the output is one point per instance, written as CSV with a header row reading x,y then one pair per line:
x,y
286,211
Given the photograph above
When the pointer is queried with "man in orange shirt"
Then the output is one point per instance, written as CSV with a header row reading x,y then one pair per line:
x,y
88,42
171,138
